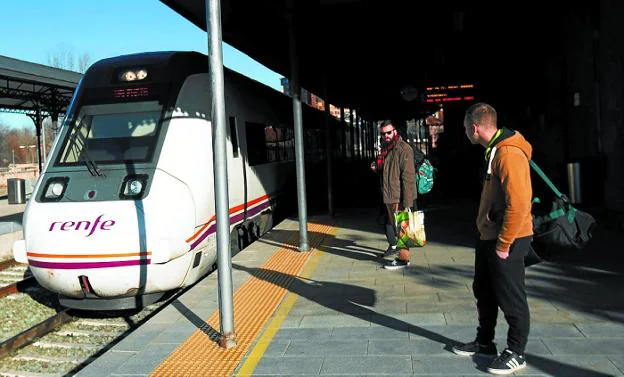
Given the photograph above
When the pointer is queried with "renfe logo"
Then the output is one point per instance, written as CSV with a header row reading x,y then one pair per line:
x,y
83,225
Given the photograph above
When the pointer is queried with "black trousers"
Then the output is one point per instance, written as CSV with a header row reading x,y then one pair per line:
x,y
390,227
497,284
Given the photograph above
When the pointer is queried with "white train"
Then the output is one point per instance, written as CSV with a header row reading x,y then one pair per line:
x,y
124,209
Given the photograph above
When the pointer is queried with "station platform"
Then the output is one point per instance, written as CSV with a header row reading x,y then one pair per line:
x,y
334,311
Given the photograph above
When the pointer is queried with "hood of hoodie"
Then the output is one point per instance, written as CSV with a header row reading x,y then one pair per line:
x,y
514,139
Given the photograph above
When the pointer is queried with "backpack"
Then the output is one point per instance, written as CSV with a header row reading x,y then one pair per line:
x,y
425,172
424,181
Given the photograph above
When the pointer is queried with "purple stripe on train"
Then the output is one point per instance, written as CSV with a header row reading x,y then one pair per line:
x,y
78,265
234,219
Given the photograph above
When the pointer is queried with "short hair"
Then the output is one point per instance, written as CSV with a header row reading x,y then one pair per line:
x,y
482,114
385,123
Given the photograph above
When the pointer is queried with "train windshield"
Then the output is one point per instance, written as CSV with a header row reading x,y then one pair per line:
x,y
112,133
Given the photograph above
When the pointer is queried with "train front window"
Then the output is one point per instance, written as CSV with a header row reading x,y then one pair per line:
x,y
113,133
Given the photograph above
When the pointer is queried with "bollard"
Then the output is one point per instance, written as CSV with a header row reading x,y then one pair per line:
x,y
574,182
16,191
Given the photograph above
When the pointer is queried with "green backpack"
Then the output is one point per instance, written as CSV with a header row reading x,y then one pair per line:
x,y
424,181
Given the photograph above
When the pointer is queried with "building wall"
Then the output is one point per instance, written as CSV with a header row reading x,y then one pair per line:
x,y
612,100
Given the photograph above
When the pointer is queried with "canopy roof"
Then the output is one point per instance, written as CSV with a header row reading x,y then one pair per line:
x,y
372,54
24,86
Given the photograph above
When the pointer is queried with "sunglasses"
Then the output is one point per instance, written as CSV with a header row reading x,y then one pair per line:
x,y
388,132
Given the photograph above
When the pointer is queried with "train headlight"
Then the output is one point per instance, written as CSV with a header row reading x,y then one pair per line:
x,y
54,189
133,186
137,74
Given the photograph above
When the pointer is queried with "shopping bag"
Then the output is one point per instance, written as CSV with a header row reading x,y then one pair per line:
x,y
410,228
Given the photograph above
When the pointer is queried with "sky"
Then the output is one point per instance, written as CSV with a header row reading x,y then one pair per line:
x,y
32,30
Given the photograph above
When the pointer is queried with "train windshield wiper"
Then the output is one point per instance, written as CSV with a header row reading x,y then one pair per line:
x,y
89,161
79,148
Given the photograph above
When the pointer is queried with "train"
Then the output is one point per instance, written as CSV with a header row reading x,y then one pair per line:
x,y
123,212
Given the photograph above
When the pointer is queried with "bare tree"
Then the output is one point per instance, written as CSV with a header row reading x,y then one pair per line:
x,y
64,57
83,62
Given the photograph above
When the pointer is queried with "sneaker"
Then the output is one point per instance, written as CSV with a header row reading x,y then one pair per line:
x,y
469,349
396,264
507,362
390,251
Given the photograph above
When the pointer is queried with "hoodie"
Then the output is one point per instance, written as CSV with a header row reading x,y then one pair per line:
x,y
505,206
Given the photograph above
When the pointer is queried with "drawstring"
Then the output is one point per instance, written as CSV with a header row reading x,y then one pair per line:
x,y
488,150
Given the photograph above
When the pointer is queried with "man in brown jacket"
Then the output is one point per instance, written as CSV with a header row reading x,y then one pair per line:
x,y
505,231
395,165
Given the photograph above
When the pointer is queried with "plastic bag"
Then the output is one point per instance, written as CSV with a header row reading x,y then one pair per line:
x,y
410,228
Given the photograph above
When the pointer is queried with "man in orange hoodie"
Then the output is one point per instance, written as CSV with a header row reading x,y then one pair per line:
x,y
505,231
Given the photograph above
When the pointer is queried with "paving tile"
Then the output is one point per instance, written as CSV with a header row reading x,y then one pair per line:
x,y
304,333
362,333
275,366
569,366
274,348
590,346
389,365
335,321
451,364
147,360
601,330
327,348
109,362
403,321
407,347
618,361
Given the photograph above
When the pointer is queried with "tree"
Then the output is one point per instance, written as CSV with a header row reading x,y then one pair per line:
x,y
64,57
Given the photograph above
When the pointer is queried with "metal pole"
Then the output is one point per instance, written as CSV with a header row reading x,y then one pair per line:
x,y
343,130
224,257
328,156
43,141
351,134
295,90
38,126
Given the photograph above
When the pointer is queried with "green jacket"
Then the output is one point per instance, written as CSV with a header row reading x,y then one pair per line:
x,y
398,181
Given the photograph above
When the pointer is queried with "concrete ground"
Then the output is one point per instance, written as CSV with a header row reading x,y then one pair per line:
x,y
353,318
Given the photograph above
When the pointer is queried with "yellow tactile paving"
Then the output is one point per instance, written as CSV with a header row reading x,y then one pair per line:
x,y
254,303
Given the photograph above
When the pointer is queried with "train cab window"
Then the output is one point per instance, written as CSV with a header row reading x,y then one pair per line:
x,y
233,136
112,133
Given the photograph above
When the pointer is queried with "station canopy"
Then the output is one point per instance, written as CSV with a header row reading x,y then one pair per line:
x,y
26,86
379,56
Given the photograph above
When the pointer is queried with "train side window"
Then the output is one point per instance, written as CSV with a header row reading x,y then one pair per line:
x,y
256,146
234,136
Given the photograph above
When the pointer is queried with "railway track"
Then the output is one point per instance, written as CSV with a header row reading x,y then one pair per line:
x,y
66,341
14,278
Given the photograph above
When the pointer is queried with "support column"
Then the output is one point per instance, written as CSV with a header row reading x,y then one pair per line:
x,y
328,156
343,132
295,90
38,126
224,256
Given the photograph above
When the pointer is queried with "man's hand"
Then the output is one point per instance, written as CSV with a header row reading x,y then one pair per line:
x,y
373,166
502,254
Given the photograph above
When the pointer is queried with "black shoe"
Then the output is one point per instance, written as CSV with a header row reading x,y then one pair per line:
x,y
469,349
390,251
507,362
396,264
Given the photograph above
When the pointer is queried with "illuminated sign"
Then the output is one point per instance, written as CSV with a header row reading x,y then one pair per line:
x,y
131,92
448,93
